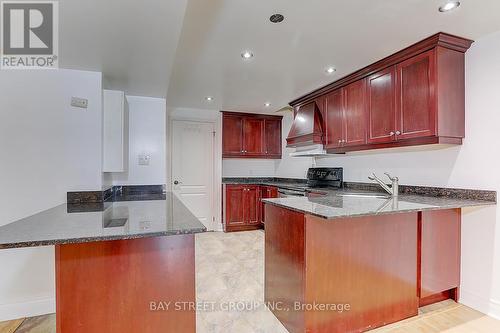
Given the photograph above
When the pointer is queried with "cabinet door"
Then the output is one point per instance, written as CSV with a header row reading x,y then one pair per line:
x,y
252,204
265,193
272,137
439,251
232,135
355,113
253,136
115,131
416,103
334,119
381,108
235,208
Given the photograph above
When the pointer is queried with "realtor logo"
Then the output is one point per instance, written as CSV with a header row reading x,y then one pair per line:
x,y
29,34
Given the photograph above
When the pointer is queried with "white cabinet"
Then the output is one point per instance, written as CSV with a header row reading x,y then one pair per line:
x,y
115,131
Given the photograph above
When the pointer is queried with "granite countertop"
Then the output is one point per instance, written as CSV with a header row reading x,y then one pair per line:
x,y
166,215
335,205
284,183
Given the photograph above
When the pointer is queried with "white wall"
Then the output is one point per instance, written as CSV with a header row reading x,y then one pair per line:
x,y
147,135
47,148
475,164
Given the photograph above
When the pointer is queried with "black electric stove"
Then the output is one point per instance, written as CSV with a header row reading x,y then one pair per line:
x,y
316,178
325,177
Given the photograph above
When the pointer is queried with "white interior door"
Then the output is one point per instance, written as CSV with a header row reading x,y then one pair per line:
x,y
193,167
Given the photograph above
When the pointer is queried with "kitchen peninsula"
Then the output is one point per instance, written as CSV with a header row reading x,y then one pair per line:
x,y
113,259
382,256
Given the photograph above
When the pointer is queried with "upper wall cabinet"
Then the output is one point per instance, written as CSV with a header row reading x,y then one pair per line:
x,y
346,116
413,97
115,131
246,135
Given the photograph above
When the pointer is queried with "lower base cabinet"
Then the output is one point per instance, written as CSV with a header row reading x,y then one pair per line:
x,y
266,192
439,255
242,206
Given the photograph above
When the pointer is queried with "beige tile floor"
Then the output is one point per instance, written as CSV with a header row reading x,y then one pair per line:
x,y
230,268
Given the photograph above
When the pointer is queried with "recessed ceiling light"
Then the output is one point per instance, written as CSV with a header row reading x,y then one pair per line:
x,y
450,5
276,18
330,70
209,98
246,54
267,104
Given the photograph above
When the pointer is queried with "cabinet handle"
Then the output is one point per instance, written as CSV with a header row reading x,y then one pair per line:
x,y
398,132
340,141
391,133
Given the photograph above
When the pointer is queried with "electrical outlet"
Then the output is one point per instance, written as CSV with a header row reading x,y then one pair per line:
x,y
144,159
79,102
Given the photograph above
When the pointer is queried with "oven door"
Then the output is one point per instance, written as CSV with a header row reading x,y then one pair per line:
x,y
282,193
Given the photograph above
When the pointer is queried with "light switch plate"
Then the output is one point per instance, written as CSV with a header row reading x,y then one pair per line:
x,y
79,102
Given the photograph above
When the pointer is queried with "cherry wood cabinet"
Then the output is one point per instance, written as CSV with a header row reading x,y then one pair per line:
x,y
413,97
346,116
246,135
272,137
402,101
241,207
355,113
251,204
266,192
334,119
234,210
232,132
253,137
439,255
381,106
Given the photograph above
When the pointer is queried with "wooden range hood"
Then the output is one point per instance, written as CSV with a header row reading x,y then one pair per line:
x,y
307,127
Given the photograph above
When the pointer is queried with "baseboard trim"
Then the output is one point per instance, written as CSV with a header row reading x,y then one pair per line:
x,y
27,309
495,309
490,307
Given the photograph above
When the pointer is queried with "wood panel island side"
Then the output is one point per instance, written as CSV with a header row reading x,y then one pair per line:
x,y
120,266
361,269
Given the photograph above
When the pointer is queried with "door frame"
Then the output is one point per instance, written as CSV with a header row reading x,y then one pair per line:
x,y
217,163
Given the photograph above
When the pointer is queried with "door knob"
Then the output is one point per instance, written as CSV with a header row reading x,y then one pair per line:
x,y
176,182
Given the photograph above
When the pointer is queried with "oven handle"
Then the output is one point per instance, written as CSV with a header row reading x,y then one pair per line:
x,y
287,193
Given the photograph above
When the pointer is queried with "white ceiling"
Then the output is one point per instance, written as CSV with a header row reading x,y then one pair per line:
x,y
133,42
191,48
290,57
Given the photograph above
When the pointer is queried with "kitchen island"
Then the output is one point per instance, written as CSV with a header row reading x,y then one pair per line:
x,y
120,266
351,262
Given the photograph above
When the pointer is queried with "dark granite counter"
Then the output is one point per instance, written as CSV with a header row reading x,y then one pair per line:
x,y
333,204
159,215
348,203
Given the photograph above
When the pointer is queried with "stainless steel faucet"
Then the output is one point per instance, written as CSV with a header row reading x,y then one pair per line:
x,y
393,190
